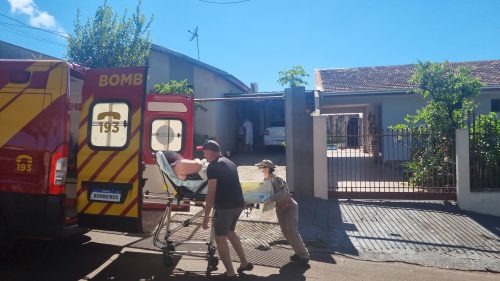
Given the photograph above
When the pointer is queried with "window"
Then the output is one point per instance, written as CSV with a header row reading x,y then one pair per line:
x,y
110,124
167,134
495,105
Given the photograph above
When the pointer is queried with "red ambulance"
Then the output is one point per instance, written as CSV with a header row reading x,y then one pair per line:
x,y
75,145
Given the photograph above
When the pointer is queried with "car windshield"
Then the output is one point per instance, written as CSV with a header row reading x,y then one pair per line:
x,y
277,124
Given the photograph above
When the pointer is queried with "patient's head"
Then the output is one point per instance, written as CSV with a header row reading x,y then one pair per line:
x,y
172,156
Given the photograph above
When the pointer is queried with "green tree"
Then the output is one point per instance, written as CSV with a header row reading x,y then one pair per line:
x,y
485,151
177,87
448,92
293,77
108,41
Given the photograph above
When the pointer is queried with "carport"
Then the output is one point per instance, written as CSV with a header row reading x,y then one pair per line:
x,y
259,108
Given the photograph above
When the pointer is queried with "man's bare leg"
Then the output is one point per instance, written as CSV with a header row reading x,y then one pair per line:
x,y
224,254
238,248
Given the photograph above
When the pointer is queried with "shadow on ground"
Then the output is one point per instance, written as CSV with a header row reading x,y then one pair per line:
x,y
430,233
69,259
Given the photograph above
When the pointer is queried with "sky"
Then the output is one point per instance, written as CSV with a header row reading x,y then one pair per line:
x,y
255,39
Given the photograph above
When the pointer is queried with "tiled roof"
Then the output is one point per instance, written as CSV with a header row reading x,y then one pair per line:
x,y
392,78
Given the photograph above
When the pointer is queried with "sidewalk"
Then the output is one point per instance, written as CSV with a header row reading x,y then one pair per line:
x,y
334,267
436,234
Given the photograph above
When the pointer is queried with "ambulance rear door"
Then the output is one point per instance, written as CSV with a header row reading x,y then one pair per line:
x,y
109,172
168,126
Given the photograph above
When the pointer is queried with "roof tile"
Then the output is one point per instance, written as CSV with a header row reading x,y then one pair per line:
x,y
390,78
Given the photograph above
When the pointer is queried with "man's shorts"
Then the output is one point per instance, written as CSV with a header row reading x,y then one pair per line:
x,y
225,220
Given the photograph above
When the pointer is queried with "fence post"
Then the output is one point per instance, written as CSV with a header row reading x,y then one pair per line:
x,y
299,143
463,166
320,159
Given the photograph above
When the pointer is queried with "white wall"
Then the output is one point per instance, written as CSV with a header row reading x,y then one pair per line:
x,y
479,202
159,70
217,121
207,84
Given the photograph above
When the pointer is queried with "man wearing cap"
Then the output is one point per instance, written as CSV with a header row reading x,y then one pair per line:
x,y
287,211
226,197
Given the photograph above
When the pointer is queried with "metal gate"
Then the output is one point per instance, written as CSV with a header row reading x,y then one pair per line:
x,y
388,164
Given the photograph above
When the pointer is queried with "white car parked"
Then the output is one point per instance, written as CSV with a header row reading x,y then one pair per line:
x,y
274,135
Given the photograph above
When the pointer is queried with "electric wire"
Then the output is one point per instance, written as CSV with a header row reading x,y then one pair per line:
x,y
31,36
22,24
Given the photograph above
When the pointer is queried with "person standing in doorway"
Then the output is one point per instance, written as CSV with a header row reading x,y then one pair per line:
x,y
226,197
248,126
287,211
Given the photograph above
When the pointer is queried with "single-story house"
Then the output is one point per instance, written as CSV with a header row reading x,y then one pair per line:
x,y
370,99
384,90
208,82
11,51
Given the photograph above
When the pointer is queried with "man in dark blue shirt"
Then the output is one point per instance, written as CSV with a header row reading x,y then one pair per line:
x,y
226,197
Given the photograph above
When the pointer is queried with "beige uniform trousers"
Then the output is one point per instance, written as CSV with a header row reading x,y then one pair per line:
x,y
288,219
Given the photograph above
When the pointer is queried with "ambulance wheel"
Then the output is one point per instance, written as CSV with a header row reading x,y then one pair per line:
x,y
168,260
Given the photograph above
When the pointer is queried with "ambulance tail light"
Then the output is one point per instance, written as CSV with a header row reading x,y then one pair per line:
x,y
58,169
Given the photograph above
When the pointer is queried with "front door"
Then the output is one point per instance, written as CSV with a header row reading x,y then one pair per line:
x,y
109,186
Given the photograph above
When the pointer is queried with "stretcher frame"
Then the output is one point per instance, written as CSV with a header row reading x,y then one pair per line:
x,y
165,243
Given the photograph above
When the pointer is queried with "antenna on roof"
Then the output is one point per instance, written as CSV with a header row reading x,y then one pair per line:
x,y
195,34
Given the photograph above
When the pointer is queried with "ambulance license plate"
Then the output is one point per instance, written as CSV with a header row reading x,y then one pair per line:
x,y
106,195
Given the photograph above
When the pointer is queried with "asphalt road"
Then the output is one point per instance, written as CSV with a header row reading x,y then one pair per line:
x,y
105,256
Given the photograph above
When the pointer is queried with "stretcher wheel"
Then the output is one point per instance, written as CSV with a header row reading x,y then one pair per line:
x,y
170,248
168,260
213,262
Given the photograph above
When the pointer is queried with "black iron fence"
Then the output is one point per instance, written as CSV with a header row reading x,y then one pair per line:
x,y
392,164
484,152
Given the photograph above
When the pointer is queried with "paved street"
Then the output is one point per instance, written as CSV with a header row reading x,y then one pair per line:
x,y
105,256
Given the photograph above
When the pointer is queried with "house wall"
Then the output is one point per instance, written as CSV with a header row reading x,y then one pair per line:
x,y
216,122
11,51
159,70
484,101
206,84
393,109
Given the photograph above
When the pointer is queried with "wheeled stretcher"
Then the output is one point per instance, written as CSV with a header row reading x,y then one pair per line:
x,y
193,191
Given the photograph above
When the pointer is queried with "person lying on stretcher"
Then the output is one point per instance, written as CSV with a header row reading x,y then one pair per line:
x,y
191,173
186,169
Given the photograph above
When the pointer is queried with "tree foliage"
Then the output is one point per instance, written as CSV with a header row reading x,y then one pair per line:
x,y
293,77
448,92
485,151
106,40
177,87
174,86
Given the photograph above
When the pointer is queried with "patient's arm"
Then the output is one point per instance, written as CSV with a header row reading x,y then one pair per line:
x,y
186,167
